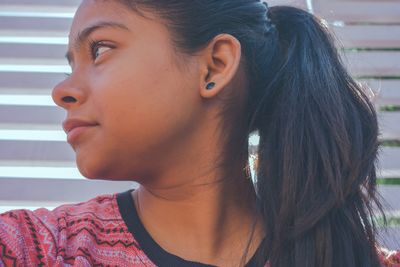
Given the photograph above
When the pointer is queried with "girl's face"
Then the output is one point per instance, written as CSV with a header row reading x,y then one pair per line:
x,y
127,80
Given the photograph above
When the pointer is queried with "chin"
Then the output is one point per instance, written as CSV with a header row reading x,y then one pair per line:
x,y
90,169
100,168
89,174
99,172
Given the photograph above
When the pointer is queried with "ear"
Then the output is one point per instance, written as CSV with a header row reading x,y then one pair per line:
x,y
220,61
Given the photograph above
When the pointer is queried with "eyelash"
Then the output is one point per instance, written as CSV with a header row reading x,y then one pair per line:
x,y
93,45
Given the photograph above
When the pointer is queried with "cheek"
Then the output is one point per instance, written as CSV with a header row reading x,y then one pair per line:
x,y
137,95
144,111
145,88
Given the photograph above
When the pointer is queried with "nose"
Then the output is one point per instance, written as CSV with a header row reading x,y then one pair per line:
x,y
68,94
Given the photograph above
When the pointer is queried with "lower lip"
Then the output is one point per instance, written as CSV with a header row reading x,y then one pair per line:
x,y
76,132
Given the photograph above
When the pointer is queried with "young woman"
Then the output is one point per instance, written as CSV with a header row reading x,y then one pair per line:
x,y
166,93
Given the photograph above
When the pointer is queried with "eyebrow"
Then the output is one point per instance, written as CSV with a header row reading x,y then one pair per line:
x,y
85,33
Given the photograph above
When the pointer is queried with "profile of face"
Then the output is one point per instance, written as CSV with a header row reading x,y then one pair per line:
x,y
145,97
125,79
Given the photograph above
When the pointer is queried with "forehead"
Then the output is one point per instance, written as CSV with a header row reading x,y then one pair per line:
x,y
144,29
92,11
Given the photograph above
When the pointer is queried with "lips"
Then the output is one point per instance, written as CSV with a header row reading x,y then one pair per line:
x,y
75,127
71,124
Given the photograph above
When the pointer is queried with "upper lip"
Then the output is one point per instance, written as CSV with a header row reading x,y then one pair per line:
x,y
70,124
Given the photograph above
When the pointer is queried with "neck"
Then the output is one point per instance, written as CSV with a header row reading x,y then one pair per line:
x,y
201,221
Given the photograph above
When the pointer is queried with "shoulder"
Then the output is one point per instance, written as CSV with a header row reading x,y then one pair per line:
x,y
42,236
98,208
103,206
389,258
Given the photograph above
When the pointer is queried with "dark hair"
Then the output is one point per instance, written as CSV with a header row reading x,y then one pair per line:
x,y
316,174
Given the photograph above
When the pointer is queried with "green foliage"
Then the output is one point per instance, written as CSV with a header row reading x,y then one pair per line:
x,y
390,108
391,221
392,143
389,181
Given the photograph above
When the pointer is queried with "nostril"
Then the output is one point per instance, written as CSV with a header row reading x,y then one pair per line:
x,y
68,99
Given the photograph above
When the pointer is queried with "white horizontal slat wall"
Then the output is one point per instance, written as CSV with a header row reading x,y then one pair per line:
x,y
37,166
358,11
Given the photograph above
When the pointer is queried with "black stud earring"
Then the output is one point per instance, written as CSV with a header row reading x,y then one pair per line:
x,y
210,86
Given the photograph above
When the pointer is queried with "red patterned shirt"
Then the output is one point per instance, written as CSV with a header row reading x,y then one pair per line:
x,y
104,231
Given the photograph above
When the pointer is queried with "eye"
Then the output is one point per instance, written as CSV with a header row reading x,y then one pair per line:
x,y
97,48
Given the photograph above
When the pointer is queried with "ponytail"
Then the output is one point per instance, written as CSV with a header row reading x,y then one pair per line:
x,y
315,175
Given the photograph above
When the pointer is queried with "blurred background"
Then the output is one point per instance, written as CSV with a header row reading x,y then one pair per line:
x,y
37,167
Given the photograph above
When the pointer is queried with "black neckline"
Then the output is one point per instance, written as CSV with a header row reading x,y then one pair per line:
x,y
154,251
